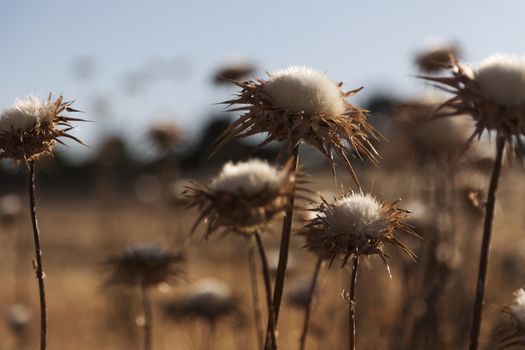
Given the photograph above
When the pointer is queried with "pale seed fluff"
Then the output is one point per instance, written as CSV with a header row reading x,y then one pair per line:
x,y
250,177
303,89
501,78
357,214
26,114
518,306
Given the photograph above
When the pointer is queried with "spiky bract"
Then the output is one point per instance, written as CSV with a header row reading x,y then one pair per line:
x,y
33,126
243,197
356,224
493,93
301,104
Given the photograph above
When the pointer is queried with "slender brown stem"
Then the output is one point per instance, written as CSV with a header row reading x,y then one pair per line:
x,y
148,318
271,342
351,302
285,244
485,245
308,307
39,268
255,294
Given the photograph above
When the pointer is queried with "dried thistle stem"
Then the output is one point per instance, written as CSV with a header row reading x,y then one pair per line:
x,y
255,294
285,243
271,342
351,302
485,245
39,269
148,317
308,307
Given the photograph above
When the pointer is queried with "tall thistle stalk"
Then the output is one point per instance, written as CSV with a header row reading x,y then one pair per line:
x,y
493,93
28,130
485,245
352,303
38,265
285,243
252,265
148,317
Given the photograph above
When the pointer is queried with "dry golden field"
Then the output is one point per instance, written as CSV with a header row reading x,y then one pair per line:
x,y
425,306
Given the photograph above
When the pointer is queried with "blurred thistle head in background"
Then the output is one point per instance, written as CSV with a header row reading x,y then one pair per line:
x,y
244,196
444,136
356,224
493,93
509,329
299,104
208,299
233,71
165,137
144,265
436,56
32,127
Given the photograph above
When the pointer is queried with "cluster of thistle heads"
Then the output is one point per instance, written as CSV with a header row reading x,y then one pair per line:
x,y
293,106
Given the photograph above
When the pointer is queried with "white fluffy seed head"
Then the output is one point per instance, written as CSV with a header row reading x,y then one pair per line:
x,y
518,306
250,177
303,89
26,114
501,78
356,214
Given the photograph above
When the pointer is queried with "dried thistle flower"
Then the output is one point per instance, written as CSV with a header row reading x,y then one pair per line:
x,y
509,329
436,56
208,299
33,126
356,224
243,197
493,93
302,104
144,265
165,137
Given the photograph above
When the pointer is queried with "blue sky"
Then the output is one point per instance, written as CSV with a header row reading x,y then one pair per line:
x,y
363,43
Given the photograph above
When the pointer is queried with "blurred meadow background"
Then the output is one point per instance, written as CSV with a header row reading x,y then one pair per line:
x,y
146,76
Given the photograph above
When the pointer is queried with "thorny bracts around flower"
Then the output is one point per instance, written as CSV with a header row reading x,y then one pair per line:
x,y
144,265
333,127
356,224
32,127
483,92
244,197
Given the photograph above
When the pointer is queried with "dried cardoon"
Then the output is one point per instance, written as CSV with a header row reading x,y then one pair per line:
x,y
356,224
493,93
436,56
31,127
18,319
233,71
302,104
145,265
209,300
509,329
243,197
165,137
